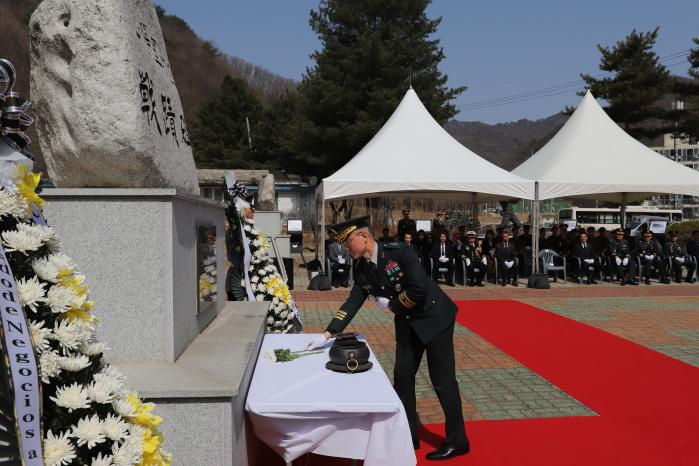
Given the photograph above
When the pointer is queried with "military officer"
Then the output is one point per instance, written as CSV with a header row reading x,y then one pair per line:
x,y
679,259
474,260
406,225
424,323
622,258
651,255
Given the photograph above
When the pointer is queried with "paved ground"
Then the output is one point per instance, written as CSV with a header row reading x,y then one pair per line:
x,y
495,386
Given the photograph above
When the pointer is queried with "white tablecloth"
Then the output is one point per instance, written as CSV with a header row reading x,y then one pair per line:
x,y
299,407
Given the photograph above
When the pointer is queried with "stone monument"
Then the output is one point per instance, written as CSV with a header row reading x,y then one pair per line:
x,y
108,112
127,208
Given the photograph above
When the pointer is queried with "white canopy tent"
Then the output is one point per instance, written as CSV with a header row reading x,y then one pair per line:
x,y
413,156
591,157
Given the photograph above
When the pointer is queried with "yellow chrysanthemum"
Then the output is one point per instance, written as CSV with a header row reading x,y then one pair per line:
x,y
142,412
27,185
75,283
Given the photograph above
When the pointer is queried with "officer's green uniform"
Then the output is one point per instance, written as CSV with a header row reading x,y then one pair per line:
x,y
679,258
622,250
424,322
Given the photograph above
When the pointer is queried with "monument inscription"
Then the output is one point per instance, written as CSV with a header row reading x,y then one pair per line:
x,y
108,111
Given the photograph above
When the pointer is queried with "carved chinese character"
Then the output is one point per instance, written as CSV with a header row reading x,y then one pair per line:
x,y
169,118
145,87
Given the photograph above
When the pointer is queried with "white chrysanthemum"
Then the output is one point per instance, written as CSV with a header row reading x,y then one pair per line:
x,y
62,298
259,297
275,300
71,334
92,348
123,407
262,271
40,336
20,241
31,292
100,392
74,363
9,177
47,268
114,428
134,442
49,364
270,356
89,431
14,205
58,450
43,233
122,456
255,279
270,320
100,460
71,397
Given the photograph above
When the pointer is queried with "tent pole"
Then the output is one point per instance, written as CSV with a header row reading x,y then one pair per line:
x,y
535,228
623,210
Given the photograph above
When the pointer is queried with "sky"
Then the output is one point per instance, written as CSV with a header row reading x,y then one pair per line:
x,y
498,48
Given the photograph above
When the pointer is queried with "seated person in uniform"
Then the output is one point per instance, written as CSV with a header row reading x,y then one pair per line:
x,y
589,261
693,246
475,261
506,255
339,262
679,259
442,258
622,259
652,257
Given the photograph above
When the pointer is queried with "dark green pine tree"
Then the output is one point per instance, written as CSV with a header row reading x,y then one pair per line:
x,y
370,48
638,80
219,133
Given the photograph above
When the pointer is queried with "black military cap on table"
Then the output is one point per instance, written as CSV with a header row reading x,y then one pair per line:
x,y
345,228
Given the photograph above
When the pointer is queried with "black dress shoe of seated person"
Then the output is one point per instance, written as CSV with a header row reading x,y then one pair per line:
x,y
446,452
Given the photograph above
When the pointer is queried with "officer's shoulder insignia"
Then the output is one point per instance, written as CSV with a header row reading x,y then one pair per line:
x,y
394,245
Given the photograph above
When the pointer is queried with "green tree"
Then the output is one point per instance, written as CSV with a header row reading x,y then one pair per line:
x,y
370,50
219,133
688,90
638,81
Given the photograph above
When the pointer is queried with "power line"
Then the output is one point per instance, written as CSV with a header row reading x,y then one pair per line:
x,y
553,90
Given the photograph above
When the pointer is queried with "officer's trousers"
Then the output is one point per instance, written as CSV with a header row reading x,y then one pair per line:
x,y
442,369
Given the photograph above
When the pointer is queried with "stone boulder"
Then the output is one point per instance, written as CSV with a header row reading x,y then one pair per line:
x,y
107,110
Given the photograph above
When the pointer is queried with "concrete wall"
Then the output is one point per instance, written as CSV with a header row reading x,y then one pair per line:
x,y
137,248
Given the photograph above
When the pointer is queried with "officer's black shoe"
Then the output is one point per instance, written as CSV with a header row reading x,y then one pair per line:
x,y
594,282
481,284
446,452
647,281
503,283
633,282
690,280
451,284
515,283
623,282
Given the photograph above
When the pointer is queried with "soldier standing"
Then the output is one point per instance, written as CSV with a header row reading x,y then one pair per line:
x,y
406,225
424,320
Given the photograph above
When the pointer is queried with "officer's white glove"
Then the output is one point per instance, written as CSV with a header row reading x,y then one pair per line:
x,y
618,260
509,264
590,261
341,260
485,261
625,261
650,257
382,303
317,342
680,260
442,259
468,262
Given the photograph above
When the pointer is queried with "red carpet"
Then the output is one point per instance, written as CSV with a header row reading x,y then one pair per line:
x,y
647,395
567,441
648,403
